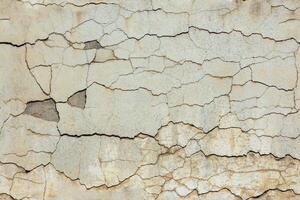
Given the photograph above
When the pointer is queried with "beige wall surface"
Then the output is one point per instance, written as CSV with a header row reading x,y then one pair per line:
x,y
149,99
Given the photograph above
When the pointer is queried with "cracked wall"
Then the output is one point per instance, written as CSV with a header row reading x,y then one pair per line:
x,y
149,99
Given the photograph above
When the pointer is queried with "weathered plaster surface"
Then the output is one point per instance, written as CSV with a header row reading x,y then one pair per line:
x,y
149,99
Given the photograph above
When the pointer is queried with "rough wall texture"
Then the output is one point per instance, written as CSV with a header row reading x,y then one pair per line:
x,y
149,99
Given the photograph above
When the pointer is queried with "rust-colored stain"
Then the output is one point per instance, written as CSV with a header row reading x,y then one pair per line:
x,y
256,8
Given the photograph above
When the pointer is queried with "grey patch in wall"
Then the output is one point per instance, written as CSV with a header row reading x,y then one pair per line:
x,y
78,99
92,45
43,109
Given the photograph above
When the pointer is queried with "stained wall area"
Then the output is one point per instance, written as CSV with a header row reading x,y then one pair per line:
x,y
149,99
